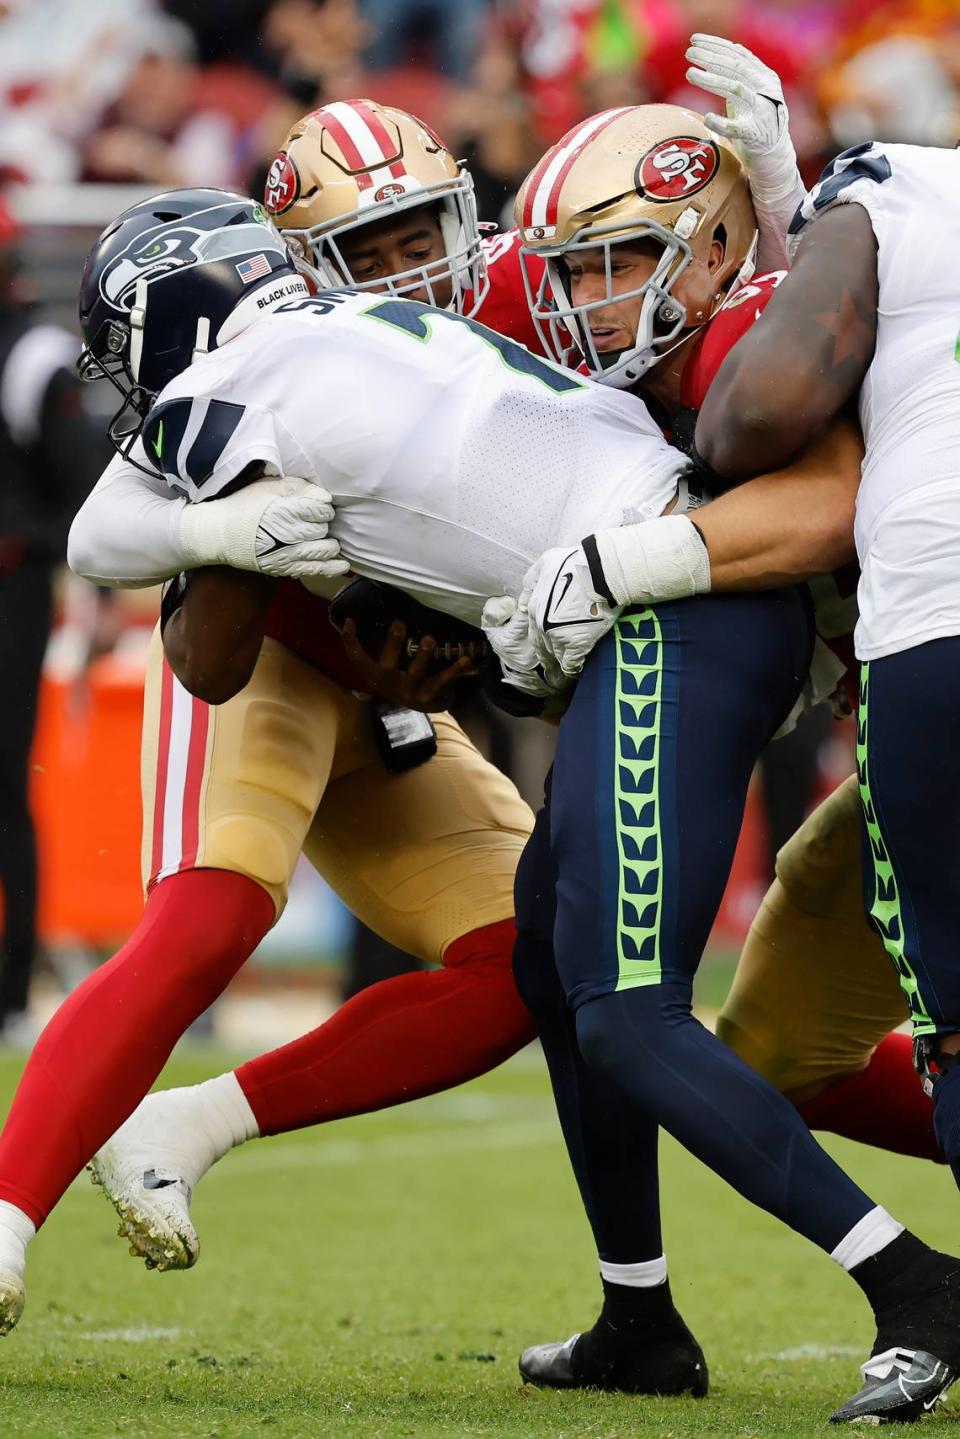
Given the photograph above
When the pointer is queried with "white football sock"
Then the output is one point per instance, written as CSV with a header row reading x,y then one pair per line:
x,y
874,1232
16,1231
227,1110
646,1275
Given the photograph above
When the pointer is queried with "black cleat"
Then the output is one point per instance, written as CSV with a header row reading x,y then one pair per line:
x,y
899,1387
602,1358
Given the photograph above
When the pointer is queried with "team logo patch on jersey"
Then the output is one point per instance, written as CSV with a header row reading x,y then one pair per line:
x,y
283,185
674,169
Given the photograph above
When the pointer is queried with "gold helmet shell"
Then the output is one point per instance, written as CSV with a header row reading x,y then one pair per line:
x,y
353,163
639,172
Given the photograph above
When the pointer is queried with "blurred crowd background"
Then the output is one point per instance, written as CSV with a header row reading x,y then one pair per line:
x,y
104,101
179,92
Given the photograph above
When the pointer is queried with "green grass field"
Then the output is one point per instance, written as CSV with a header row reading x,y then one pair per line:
x,y
379,1278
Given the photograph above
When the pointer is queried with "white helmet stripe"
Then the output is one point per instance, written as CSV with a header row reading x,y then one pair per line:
x,y
542,192
365,142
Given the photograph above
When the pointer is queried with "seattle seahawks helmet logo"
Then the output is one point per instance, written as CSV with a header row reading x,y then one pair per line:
x,y
172,247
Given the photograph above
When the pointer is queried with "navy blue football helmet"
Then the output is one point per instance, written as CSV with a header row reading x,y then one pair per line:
x,y
161,284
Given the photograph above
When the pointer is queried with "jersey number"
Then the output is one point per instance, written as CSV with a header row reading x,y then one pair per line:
x,y
415,319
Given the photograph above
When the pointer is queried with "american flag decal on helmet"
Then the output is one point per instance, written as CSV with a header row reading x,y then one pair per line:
x,y
253,269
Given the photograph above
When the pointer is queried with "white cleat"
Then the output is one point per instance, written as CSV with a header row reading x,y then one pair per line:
x,y
153,1205
151,1166
12,1296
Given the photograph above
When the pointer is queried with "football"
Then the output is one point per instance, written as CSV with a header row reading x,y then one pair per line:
x,y
373,607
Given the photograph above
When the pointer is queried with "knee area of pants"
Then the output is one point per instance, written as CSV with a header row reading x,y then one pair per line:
x,y
818,869
263,852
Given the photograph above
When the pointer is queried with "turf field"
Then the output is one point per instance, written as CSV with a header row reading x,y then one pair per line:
x,y
379,1277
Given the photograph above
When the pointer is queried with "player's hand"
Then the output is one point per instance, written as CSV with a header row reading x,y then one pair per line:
x,y
507,629
756,115
567,613
417,687
293,539
276,527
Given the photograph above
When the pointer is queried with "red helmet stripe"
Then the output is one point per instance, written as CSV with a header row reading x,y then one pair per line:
x,y
543,195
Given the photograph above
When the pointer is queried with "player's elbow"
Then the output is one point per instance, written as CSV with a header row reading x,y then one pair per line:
x,y
209,675
748,432
214,684
82,549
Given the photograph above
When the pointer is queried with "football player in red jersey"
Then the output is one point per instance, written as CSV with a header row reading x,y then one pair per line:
x,y
368,196
647,284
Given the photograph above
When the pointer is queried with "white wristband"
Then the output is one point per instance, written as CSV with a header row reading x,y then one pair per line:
x,y
664,559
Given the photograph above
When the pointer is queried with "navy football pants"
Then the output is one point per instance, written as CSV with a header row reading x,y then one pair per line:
x,y
908,762
653,761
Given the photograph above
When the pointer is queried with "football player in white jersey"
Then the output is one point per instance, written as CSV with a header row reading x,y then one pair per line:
x,y
446,528
869,312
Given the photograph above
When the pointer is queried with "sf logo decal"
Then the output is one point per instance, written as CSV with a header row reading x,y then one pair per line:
x,y
674,169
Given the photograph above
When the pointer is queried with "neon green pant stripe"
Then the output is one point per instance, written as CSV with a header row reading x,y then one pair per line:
x,y
637,798
885,909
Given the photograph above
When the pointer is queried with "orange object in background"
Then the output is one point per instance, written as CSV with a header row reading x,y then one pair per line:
x,y
85,786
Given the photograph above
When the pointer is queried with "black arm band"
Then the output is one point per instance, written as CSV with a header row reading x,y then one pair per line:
x,y
589,547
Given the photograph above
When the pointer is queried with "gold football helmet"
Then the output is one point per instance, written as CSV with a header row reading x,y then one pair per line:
x,y
354,162
640,172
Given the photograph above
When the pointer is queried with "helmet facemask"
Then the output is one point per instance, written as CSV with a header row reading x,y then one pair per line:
x,y
634,175
564,327
463,266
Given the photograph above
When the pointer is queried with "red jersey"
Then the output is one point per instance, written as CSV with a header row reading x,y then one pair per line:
x,y
834,595
718,338
505,307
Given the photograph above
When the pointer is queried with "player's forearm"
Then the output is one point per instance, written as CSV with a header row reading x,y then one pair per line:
x,y
790,524
127,534
774,530
213,639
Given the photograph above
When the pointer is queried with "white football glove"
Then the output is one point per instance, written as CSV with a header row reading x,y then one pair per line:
x,y
756,119
577,595
756,115
505,625
275,527
567,614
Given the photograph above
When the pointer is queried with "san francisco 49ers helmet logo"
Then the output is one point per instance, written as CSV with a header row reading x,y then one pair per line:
x,y
283,185
387,192
673,169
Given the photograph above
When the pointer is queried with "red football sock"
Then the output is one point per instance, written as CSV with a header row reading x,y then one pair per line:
x,y
883,1105
109,1040
398,1040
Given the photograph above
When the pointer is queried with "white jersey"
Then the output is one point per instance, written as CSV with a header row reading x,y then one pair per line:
x,y
908,508
454,457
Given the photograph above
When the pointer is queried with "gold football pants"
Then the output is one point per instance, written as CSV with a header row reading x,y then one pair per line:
x,y
289,764
814,991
